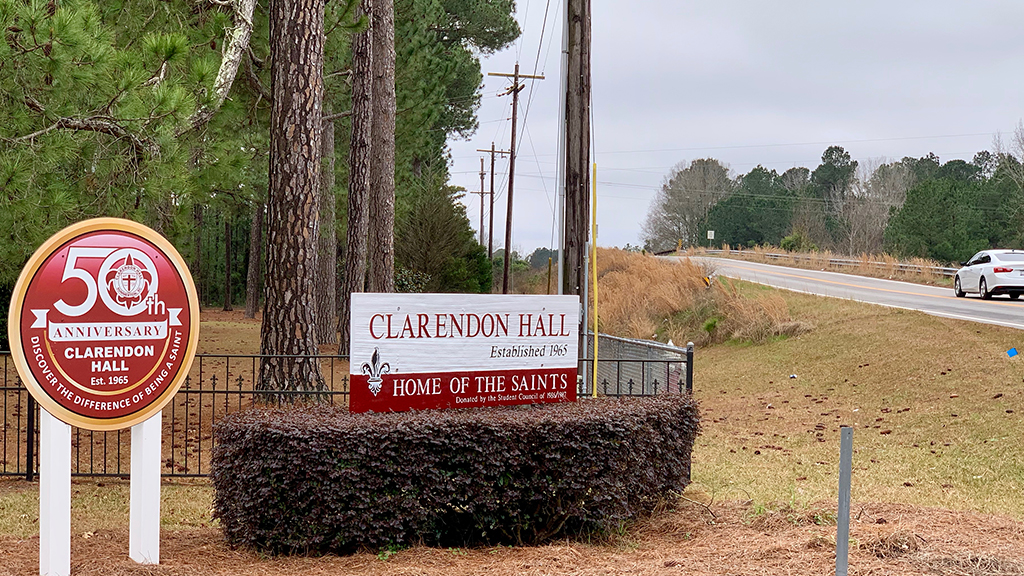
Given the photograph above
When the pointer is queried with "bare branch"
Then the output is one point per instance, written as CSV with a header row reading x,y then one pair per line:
x,y
339,73
53,126
254,80
335,116
157,76
101,124
261,64
34,104
236,42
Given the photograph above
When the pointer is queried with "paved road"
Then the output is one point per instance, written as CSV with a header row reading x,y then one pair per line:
x,y
929,299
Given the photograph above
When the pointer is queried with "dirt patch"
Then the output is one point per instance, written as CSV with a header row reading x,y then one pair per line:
x,y
687,540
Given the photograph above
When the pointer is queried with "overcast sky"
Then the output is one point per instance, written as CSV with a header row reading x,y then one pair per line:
x,y
770,83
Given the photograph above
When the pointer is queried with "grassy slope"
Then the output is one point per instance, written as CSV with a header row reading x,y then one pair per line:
x,y
920,392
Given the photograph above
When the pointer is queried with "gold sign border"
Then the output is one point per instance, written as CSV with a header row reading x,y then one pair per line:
x,y
15,316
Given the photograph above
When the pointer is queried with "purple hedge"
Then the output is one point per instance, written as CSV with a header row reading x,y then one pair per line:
x,y
320,479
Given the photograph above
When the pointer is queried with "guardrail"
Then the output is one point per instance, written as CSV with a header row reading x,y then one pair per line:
x,y
835,262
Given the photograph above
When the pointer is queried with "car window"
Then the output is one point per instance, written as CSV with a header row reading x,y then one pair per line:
x,y
1017,257
985,259
974,259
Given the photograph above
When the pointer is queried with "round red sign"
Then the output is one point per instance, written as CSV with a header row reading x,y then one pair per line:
x,y
104,323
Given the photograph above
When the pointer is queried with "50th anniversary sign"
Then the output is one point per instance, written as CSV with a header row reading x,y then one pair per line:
x,y
104,323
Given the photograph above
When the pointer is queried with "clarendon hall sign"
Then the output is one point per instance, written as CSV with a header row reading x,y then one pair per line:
x,y
418,351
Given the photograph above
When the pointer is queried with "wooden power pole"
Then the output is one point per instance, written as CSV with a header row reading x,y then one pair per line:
x,y
577,148
490,227
514,91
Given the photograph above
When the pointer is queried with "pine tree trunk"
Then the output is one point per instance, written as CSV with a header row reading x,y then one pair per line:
x,y
382,170
227,263
358,176
328,245
288,327
253,282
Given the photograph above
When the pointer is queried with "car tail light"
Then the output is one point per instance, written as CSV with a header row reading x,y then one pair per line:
x,y
1000,269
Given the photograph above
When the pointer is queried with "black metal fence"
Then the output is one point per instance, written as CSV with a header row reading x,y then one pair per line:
x,y
631,367
218,385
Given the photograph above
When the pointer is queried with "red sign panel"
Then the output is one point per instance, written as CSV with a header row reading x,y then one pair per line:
x,y
104,323
421,351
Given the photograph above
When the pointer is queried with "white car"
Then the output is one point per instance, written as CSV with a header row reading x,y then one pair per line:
x,y
991,272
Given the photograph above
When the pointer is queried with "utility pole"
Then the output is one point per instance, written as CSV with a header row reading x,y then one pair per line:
x,y
514,91
481,193
490,228
577,149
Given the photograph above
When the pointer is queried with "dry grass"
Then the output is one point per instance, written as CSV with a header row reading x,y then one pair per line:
x,y
872,265
644,297
102,505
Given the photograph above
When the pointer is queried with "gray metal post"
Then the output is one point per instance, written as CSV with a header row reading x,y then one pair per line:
x,y
560,160
689,367
843,517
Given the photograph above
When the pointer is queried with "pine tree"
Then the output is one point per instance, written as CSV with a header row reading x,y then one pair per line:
x,y
288,328
358,174
382,134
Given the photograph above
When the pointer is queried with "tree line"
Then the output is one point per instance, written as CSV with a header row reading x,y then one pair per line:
x,y
287,145
914,207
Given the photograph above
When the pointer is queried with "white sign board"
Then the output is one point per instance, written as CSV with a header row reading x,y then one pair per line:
x,y
419,351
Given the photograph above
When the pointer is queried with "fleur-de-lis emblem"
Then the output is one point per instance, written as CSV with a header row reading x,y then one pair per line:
x,y
375,370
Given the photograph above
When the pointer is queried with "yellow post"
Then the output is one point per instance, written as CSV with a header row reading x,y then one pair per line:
x,y
593,261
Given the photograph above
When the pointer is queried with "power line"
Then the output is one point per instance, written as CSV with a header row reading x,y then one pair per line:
x,y
788,144
818,143
536,62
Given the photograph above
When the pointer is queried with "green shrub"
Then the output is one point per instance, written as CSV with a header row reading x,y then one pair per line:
x,y
321,479
798,241
410,280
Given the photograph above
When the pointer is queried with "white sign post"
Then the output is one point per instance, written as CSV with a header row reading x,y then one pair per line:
x,y
54,496
144,511
104,325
